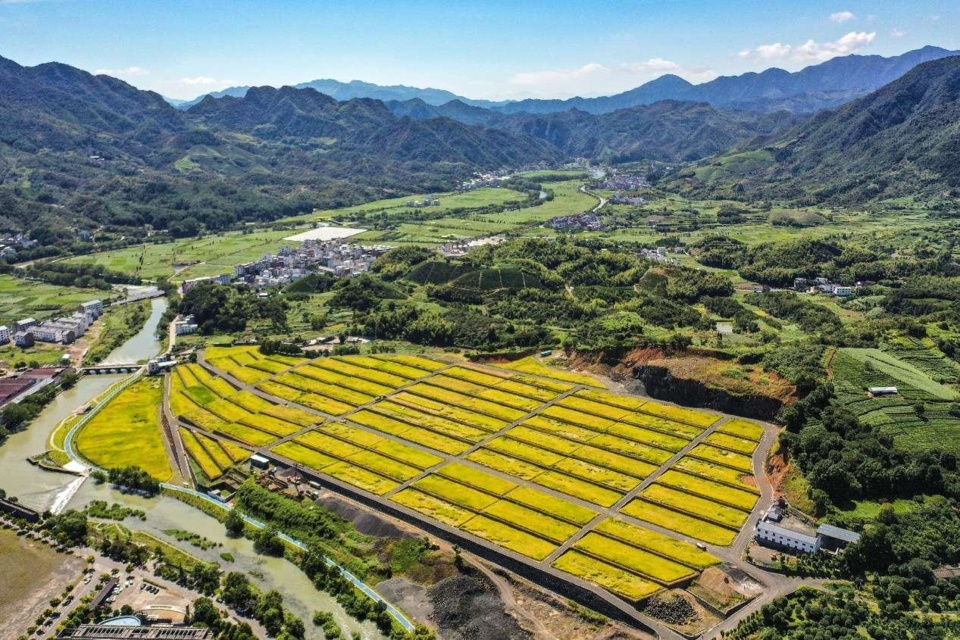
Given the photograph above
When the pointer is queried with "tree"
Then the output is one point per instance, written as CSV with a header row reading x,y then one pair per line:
x,y
234,524
237,592
14,416
268,542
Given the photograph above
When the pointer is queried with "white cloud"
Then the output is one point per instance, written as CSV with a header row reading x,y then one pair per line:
x,y
811,51
841,16
204,81
129,72
897,33
599,79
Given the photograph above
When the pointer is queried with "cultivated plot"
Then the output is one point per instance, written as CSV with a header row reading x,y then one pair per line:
x,y
609,488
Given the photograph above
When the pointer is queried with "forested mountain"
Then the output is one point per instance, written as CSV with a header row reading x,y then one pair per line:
x,y
904,138
822,86
364,125
79,150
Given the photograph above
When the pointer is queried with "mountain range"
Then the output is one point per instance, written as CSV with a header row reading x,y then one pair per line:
x,y
903,139
823,86
83,150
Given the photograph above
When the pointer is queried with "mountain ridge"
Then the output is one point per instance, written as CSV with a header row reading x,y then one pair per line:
x,y
822,86
901,139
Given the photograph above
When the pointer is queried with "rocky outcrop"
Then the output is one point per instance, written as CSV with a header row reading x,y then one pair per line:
x,y
659,383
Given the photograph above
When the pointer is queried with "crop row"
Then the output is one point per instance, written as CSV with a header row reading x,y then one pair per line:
x,y
684,524
644,435
563,434
241,414
379,382
742,429
470,403
732,443
549,478
441,409
717,473
715,491
307,399
378,464
332,391
200,455
410,432
723,457
583,468
619,581
703,508
350,381
600,456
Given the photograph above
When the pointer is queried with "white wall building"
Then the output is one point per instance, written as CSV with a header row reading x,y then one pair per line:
x,y
773,535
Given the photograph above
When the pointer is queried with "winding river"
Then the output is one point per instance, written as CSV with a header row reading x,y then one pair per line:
x,y
47,490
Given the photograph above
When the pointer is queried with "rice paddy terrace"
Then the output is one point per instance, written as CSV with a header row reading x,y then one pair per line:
x,y
597,488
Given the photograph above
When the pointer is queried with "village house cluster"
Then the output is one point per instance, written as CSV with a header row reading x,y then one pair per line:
x,y
62,330
428,201
579,222
823,285
292,263
623,182
661,254
481,180
10,244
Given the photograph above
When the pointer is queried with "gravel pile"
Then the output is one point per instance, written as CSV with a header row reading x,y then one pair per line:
x,y
675,611
467,607
364,520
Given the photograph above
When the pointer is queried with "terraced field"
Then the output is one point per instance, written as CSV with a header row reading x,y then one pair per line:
x,y
535,465
918,376
210,403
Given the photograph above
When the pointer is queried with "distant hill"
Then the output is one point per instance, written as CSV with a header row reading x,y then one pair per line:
x,y
79,150
817,87
364,125
344,91
902,139
667,131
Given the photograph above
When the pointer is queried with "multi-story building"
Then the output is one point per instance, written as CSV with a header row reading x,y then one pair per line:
x,y
93,308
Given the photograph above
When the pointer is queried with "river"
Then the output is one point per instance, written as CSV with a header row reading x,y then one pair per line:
x,y
46,490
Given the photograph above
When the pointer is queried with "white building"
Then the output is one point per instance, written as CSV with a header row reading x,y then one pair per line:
x,y
93,309
774,535
4,334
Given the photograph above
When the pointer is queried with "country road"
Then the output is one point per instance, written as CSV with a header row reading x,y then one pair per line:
x,y
602,202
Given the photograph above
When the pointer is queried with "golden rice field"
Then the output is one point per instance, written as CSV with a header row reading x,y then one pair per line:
x,y
522,458
128,431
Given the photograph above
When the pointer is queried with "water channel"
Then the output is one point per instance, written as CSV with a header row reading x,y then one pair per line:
x,y
43,490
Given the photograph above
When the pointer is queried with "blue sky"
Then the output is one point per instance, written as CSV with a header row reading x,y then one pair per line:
x,y
481,49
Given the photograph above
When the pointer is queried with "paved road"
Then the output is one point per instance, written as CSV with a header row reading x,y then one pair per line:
x,y
602,201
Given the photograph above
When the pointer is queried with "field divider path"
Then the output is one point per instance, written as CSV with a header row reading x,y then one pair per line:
x,y
460,457
614,511
175,448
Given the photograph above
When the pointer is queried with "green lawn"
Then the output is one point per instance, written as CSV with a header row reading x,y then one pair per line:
x,y
21,299
195,257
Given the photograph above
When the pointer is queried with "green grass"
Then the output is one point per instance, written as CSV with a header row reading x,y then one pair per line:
x,y
869,509
21,299
128,432
212,255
